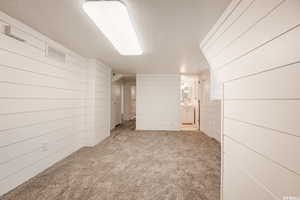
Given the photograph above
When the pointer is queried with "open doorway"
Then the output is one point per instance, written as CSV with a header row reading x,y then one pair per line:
x,y
189,104
123,99
129,99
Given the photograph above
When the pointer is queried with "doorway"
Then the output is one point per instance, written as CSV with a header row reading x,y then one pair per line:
x,y
189,102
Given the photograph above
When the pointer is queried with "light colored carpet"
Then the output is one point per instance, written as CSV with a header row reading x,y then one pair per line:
x,y
133,165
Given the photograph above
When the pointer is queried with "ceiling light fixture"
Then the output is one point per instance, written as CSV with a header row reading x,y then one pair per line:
x,y
183,69
112,18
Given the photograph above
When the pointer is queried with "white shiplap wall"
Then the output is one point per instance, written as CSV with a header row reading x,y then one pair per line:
x,y
157,102
210,109
44,104
254,51
98,102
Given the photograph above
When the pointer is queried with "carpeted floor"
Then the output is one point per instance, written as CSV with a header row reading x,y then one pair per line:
x,y
133,165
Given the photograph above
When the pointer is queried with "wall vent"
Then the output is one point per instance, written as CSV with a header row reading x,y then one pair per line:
x,y
55,54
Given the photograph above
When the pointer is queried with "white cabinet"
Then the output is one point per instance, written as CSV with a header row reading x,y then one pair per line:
x,y
187,114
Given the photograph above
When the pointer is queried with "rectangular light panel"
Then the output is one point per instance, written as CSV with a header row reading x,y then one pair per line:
x,y
112,18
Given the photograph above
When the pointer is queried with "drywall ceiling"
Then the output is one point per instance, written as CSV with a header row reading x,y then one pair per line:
x,y
169,31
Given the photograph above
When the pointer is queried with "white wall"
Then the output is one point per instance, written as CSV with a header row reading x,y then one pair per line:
x,y
210,109
45,106
158,102
254,50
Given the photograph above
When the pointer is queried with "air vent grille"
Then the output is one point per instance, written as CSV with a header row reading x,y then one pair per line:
x,y
56,54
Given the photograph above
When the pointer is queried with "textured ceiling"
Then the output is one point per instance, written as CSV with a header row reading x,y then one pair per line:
x,y
169,31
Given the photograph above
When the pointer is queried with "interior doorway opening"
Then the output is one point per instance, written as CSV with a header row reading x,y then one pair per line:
x,y
123,105
189,102
129,96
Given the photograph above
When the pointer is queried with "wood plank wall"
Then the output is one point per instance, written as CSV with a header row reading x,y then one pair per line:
x,y
210,109
254,50
45,105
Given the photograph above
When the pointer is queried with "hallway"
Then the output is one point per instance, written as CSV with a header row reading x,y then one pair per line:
x,y
133,165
